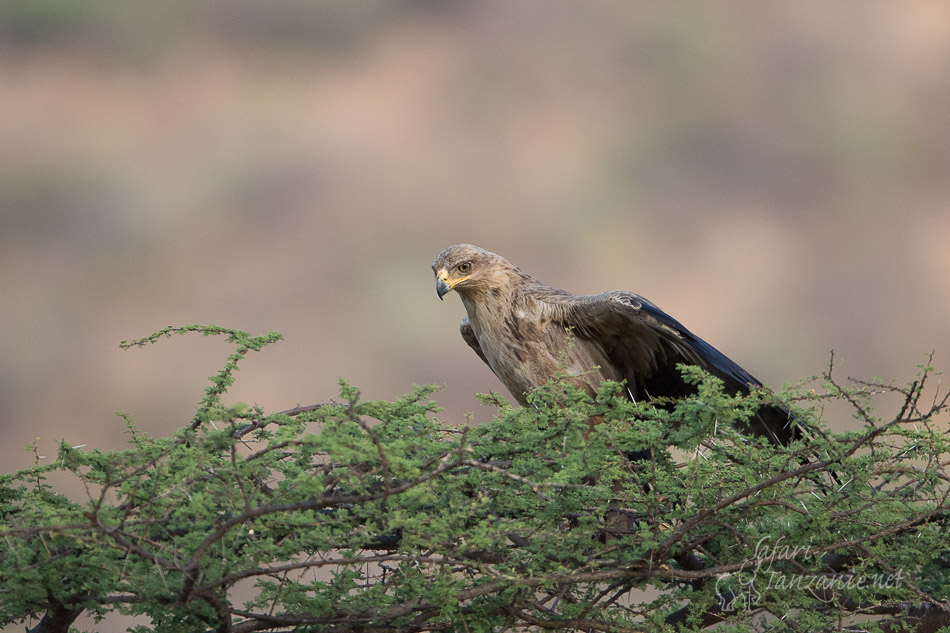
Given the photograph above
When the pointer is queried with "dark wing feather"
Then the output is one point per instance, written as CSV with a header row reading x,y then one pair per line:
x,y
645,344
468,334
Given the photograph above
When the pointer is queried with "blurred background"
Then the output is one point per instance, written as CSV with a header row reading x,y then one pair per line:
x,y
775,176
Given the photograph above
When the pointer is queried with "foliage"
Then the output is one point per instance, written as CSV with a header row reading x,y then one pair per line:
x,y
375,516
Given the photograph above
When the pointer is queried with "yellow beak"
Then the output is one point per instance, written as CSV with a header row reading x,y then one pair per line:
x,y
441,283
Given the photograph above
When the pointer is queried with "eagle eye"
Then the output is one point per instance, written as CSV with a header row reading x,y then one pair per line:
x,y
464,267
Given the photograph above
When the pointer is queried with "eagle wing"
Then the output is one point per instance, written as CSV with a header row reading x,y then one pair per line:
x,y
645,345
468,334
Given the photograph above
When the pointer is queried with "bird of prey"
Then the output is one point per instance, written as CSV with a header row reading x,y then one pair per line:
x,y
528,332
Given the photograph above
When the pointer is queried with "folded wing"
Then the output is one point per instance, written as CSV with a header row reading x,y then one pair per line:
x,y
645,345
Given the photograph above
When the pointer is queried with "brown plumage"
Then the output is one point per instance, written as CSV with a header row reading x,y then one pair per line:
x,y
527,332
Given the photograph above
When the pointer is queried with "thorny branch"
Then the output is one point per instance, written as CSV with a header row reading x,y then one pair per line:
x,y
616,559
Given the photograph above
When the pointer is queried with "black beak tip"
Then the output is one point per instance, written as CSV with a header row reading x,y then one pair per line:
x,y
441,288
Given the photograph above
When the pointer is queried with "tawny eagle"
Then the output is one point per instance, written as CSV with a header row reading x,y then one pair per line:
x,y
528,332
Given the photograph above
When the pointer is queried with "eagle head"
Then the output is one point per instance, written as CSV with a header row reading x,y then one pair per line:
x,y
466,268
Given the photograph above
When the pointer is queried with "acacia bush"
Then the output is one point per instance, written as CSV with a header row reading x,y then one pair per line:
x,y
359,515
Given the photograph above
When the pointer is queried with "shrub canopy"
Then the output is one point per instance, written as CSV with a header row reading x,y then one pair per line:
x,y
573,513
